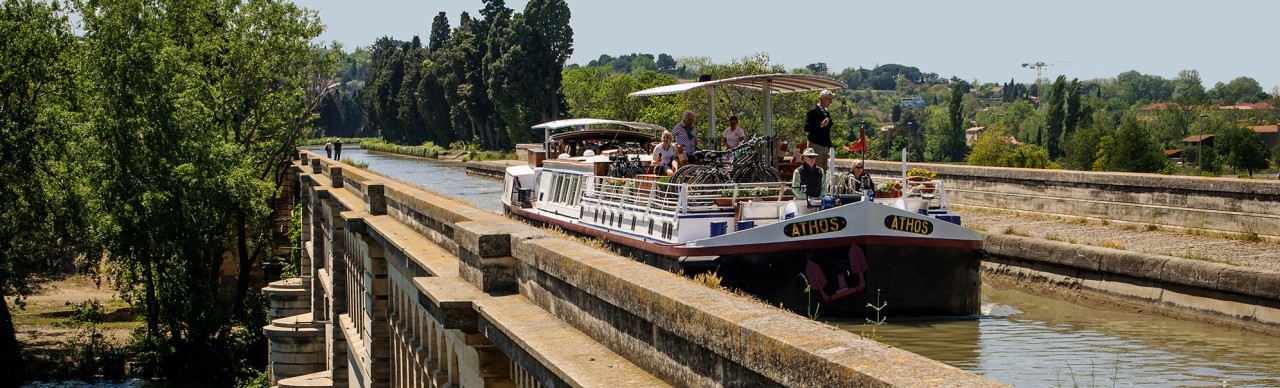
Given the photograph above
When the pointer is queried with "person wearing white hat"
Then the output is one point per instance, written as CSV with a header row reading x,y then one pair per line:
x,y
809,181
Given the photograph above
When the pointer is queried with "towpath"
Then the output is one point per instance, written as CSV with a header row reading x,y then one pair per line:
x,y
1243,250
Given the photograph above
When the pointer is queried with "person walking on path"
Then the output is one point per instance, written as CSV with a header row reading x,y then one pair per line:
x,y
685,134
328,149
337,149
817,124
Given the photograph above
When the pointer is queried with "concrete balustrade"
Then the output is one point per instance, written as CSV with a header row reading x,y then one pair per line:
x,y
412,289
1217,204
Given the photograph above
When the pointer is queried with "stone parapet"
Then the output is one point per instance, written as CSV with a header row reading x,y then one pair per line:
x,y
1220,204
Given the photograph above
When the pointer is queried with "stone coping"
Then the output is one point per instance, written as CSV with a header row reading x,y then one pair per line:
x,y
1090,178
1173,270
563,351
318,379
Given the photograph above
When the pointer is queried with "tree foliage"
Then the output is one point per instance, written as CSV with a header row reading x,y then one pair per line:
x,y
1245,149
195,105
488,80
1130,149
42,199
995,149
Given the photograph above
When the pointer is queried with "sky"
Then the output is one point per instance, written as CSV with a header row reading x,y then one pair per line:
x,y
986,40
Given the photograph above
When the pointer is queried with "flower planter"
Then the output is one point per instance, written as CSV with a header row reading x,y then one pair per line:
x,y
888,194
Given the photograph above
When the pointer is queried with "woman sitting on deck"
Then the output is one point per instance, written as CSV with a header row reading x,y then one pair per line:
x,y
667,156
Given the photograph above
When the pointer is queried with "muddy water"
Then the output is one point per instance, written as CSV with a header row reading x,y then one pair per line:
x,y
1021,339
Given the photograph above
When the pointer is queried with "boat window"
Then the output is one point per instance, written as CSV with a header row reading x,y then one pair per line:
x,y
575,190
556,182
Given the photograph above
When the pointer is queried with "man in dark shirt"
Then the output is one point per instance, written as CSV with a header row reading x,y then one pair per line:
x,y
817,124
337,149
808,181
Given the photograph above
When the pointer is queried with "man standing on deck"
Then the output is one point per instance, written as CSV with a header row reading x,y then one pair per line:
x,y
818,125
686,135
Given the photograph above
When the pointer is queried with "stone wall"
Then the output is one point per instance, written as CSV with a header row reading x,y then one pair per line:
x,y
1241,297
1217,204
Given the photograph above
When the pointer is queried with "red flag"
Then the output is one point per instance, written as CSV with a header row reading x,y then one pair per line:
x,y
861,144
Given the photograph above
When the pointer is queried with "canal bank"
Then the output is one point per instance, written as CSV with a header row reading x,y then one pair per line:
x,y
1016,334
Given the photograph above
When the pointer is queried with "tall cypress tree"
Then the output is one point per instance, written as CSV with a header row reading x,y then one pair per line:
x,y
1055,117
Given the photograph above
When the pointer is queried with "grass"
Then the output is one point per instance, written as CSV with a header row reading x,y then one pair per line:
x,y
880,319
1189,255
1078,221
1152,227
1113,244
1015,232
491,155
1052,237
979,228
1249,235
355,163
709,279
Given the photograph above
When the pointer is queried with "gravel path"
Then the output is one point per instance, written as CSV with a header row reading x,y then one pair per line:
x,y
1233,249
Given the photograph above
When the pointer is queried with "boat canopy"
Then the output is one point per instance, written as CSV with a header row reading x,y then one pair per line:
x,y
770,83
587,123
775,83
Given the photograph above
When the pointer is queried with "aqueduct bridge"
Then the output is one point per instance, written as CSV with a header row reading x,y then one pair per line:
x,y
404,288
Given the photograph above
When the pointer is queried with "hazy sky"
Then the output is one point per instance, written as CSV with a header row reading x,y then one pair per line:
x,y
981,39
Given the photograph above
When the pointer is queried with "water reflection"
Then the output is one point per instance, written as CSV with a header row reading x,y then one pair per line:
x,y
1026,340
1020,339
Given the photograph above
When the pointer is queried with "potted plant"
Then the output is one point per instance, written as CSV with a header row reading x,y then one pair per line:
x,y
771,194
888,188
920,174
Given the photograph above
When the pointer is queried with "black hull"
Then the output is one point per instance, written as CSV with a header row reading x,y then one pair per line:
x,y
905,280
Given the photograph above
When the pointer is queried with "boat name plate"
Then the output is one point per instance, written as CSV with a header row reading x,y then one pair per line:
x,y
812,227
908,224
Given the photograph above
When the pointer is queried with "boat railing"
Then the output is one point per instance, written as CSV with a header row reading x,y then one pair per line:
x,y
676,198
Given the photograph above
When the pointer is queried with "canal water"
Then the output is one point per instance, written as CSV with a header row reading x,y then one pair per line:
x,y
1021,339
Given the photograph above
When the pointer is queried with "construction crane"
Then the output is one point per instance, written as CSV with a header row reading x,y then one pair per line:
x,y
1038,66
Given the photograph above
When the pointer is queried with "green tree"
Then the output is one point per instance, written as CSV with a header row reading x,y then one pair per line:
x,y
38,103
408,100
994,149
1081,147
1187,88
382,87
1241,89
1055,117
1074,113
954,139
196,105
666,64
439,32
1130,149
1243,149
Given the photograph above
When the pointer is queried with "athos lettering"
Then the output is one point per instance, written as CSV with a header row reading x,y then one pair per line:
x,y
811,227
908,224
